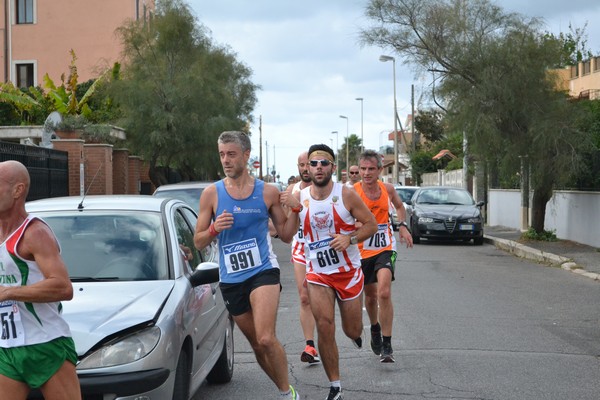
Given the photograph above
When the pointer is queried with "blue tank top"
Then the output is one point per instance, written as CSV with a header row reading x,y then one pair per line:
x,y
244,249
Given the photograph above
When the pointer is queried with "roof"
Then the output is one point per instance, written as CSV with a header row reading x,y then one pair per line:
x,y
99,202
184,185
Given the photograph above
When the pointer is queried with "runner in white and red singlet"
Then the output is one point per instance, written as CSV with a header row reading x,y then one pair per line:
x,y
328,213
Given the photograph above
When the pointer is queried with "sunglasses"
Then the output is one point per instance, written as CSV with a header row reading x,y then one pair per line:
x,y
353,173
324,163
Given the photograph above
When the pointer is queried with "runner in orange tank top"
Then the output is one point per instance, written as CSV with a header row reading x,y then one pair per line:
x,y
378,252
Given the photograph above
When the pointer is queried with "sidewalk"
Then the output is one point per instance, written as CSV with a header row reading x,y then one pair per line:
x,y
571,256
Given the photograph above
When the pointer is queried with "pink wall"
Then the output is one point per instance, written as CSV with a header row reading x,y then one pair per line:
x,y
86,26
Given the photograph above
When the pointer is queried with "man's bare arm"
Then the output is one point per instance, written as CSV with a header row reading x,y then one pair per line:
x,y
39,244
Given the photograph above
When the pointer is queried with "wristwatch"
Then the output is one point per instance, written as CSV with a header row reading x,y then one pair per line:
x,y
354,239
403,223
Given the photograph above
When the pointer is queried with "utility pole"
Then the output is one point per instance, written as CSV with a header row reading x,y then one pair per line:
x,y
260,173
267,151
412,113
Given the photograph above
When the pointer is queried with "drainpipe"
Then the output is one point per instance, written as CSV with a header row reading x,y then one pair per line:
x,y
7,41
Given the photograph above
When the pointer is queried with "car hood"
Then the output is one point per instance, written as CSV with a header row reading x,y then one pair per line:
x,y
100,309
446,210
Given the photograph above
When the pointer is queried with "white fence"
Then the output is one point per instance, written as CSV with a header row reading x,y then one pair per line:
x,y
443,178
572,215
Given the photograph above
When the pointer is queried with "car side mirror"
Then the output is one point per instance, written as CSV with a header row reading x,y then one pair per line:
x,y
409,202
205,273
480,204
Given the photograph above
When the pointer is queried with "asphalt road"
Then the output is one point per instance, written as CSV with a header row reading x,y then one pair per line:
x,y
471,322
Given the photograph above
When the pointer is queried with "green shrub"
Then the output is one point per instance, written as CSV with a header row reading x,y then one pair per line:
x,y
547,236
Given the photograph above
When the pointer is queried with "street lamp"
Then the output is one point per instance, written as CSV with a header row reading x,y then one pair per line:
x,y
384,58
337,150
362,143
346,118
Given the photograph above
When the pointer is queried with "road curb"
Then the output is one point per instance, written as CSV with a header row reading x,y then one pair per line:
x,y
539,256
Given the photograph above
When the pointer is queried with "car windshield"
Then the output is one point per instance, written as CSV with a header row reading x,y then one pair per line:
x,y
445,196
406,193
111,246
189,196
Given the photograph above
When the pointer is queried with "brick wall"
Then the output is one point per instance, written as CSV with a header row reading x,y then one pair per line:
x,y
76,159
98,169
120,171
147,187
115,170
134,174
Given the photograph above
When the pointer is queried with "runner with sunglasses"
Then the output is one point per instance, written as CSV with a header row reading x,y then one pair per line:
x,y
354,175
329,212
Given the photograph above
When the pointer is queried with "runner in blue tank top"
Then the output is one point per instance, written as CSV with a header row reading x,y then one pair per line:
x,y
246,249
236,212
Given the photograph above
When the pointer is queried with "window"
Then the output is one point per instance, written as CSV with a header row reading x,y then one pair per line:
x,y
24,11
25,75
596,64
185,236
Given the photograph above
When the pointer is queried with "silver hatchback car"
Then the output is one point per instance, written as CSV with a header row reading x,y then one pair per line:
x,y
147,316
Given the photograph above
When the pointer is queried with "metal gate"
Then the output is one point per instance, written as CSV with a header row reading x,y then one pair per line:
x,y
48,168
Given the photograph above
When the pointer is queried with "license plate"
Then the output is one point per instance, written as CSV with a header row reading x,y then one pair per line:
x,y
466,227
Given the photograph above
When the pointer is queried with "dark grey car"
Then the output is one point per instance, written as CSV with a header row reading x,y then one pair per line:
x,y
443,212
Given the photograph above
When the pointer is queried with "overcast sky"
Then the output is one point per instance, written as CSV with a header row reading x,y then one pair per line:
x,y
306,57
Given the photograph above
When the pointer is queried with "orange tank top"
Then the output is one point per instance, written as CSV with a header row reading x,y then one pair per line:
x,y
380,208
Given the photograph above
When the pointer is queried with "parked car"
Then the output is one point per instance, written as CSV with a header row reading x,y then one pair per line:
x,y
188,192
405,193
442,212
147,316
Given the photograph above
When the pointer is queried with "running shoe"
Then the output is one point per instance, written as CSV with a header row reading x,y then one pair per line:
x,y
309,355
335,393
294,395
358,342
387,354
376,341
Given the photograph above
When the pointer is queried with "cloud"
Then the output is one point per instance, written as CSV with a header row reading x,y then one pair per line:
x,y
307,58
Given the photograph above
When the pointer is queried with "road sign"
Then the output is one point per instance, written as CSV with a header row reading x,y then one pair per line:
x,y
256,164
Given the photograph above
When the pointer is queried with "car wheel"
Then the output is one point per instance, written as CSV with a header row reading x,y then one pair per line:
x,y
478,241
181,387
222,372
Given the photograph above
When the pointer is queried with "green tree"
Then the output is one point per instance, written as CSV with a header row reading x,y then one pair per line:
x,y
354,148
22,106
64,96
588,176
178,92
429,123
491,72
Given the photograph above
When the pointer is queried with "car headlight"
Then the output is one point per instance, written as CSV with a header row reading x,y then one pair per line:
x,y
474,220
425,220
124,350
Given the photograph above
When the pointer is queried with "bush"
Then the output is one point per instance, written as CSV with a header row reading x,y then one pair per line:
x,y
547,236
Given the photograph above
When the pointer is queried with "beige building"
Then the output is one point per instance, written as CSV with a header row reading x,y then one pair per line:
x,y
37,36
584,79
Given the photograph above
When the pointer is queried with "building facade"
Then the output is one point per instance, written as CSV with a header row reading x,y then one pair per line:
x,y
36,37
584,79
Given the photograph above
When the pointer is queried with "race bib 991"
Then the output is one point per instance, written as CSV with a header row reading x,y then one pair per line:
x,y
241,256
